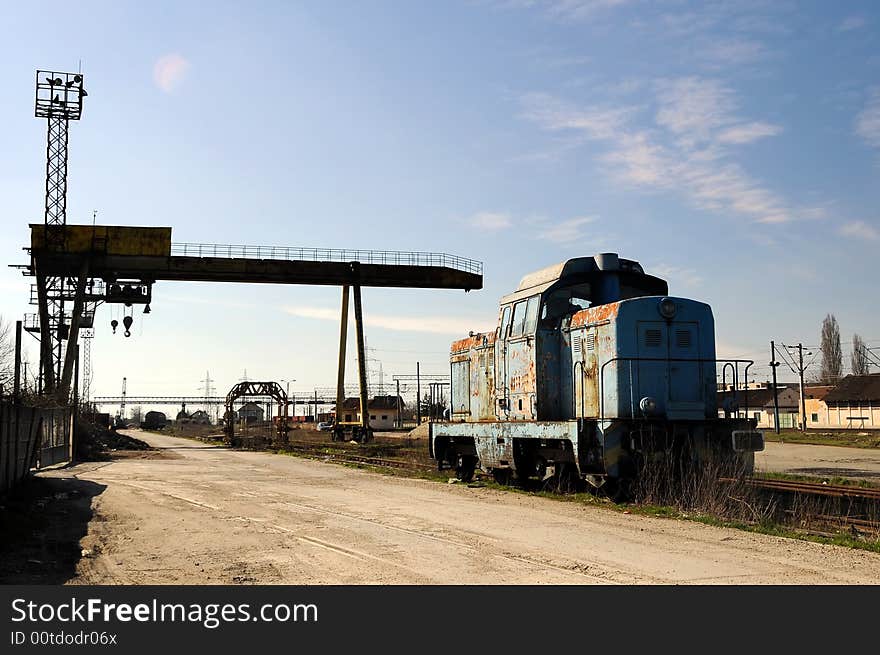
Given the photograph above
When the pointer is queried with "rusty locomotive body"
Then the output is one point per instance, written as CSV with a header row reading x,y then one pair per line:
x,y
592,372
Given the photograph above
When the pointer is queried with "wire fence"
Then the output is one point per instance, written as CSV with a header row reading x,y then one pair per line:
x,y
386,257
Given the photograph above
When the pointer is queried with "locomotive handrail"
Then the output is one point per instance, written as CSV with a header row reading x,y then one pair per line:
x,y
700,360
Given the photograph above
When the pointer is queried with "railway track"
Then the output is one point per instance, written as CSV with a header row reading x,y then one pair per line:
x,y
341,456
816,488
825,509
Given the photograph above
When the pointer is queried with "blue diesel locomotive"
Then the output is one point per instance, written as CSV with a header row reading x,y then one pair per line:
x,y
592,372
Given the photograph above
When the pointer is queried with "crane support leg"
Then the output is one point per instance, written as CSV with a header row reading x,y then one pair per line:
x,y
72,351
47,366
340,375
366,433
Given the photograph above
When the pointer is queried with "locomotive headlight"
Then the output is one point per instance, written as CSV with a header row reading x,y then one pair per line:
x,y
667,308
648,406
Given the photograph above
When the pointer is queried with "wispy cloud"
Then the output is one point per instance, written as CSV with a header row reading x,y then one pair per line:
x,y
595,122
732,52
687,277
851,23
566,231
693,106
860,230
568,10
868,120
169,70
400,323
748,132
490,221
687,149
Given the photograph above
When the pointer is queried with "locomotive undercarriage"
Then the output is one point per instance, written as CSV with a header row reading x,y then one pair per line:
x,y
611,455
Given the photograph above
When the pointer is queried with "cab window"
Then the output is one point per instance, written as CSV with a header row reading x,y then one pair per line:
x,y
532,314
519,319
505,321
525,316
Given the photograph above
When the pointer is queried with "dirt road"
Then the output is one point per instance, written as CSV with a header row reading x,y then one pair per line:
x,y
192,513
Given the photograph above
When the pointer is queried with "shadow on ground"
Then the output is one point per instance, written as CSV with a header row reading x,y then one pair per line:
x,y
41,523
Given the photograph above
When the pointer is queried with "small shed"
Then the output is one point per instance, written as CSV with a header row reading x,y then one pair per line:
x,y
251,412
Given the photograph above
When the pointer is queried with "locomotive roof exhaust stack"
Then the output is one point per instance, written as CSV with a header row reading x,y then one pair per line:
x,y
607,261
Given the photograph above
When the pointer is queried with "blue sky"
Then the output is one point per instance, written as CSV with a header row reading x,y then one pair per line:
x,y
731,147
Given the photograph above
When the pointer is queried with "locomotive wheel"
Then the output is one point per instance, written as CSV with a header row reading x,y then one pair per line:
x,y
618,490
564,481
502,476
465,468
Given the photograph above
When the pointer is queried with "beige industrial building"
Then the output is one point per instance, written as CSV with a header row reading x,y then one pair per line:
x,y
383,411
852,404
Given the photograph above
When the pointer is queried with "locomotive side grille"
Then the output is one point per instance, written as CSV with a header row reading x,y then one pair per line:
x,y
577,345
653,338
683,338
591,341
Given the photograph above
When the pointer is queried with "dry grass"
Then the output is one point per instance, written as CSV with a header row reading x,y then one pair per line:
x,y
718,492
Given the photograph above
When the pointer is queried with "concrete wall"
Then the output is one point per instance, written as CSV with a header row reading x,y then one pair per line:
x,y
30,437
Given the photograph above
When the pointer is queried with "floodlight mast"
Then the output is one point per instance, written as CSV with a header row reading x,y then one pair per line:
x,y
59,99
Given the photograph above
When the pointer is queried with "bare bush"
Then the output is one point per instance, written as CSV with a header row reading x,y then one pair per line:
x,y
710,484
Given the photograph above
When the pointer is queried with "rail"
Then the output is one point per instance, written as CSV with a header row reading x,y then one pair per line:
x,y
816,488
385,257
725,362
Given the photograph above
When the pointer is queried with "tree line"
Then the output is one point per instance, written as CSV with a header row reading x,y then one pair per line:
x,y
832,354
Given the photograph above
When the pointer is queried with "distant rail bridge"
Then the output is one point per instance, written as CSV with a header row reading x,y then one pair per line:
x,y
304,399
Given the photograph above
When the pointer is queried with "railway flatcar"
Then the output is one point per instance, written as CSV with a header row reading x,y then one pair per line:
x,y
592,373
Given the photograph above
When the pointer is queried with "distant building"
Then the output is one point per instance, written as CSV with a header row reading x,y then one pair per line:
x,y
200,417
758,404
853,403
814,403
383,411
251,412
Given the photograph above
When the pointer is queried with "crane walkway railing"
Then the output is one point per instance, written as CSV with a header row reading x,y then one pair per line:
x,y
290,253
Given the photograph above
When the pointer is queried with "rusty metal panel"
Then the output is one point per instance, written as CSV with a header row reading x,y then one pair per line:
x,y
461,388
482,383
521,379
595,315
110,240
494,439
550,359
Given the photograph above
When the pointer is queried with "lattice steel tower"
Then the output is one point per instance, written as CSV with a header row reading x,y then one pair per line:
x,y
59,99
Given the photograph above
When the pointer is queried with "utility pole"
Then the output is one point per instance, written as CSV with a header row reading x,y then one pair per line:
x,y
418,397
797,367
122,404
16,387
773,365
803,402
399,417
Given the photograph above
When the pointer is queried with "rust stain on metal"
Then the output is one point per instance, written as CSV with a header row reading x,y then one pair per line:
x,y
480,340
595,314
